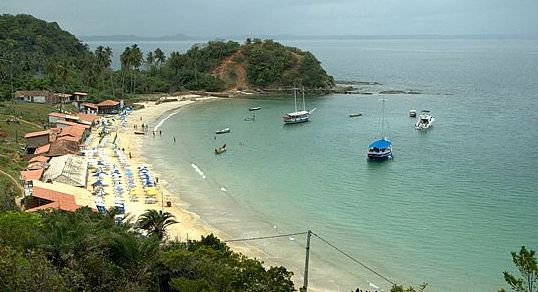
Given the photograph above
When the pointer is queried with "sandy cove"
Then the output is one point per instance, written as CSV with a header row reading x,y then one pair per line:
x,y
191,226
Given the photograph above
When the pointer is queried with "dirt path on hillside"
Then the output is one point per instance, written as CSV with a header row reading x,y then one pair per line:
x,y
14,180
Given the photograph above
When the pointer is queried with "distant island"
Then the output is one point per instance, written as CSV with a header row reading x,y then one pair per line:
x,y
39,55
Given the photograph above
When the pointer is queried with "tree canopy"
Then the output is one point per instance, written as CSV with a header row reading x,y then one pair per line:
x,y
36,54
86,251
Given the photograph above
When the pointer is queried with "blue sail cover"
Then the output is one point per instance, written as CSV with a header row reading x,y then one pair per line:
x,y
380,144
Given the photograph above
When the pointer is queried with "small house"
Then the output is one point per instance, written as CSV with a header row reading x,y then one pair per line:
x,y
108,107
35,140
68,169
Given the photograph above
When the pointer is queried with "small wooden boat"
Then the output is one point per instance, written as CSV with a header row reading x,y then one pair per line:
x,y
413,113
225,130
139,133
352,115
254,108
220,150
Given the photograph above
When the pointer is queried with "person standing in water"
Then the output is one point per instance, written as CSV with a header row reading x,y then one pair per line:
x,y
174,140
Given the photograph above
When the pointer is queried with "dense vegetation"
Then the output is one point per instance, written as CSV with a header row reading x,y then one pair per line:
x,y
86,251
35,54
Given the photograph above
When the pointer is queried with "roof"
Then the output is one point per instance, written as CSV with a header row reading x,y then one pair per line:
x,y
62,196
380,144
36,165
57,115
66,123
74,130
69,138
62,147
29,93
42,149
80,93
39,158
64,94
32,174
89,104
88,117
69,169
36,134
108,102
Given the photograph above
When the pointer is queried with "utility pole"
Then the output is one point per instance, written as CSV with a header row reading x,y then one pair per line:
x,y
305,284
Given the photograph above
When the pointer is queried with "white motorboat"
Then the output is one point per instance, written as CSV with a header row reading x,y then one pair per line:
x,y
424,120
225,130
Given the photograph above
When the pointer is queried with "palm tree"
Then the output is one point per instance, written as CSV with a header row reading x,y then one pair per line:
x,y
108,54
155,222
125,60
159,56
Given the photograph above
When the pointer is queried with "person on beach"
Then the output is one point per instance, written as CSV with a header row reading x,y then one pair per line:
x,y
160,132
140,118
174,140
130,156
153,133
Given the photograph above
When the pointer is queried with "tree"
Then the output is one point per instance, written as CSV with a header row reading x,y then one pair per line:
x,y
525,262
155,222
159,56
400,288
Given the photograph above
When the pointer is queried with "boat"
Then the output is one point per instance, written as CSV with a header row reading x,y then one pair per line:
x,y
220,150
413,113
254,108
424,120
297,116
352,115
225,130
381,149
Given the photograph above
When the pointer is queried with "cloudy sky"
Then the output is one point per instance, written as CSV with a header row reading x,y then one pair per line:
x,y
221,18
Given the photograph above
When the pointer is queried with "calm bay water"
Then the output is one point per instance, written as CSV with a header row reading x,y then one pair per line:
x,y
447,210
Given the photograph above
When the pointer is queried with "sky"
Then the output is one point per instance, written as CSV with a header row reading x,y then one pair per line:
x,y
222,18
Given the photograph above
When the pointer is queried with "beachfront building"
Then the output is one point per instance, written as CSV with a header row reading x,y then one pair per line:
x,y
37,96
35,140
88,107
79,98
108,107
56,196
68,169
63,146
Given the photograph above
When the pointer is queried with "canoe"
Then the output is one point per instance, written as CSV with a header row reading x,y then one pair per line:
x,y
352,115
254,108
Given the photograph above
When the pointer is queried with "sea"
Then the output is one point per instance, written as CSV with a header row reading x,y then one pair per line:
x,y
447,210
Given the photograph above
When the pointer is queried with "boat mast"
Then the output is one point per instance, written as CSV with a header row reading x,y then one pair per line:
x,y
304,107
383,120
295,97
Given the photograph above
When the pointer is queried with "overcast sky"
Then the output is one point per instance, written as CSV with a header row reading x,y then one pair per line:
x,y
221,18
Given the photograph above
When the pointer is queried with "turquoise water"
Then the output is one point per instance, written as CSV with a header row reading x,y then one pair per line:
x,y
447,210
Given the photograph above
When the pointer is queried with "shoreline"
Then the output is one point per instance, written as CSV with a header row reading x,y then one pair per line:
x,y
191,225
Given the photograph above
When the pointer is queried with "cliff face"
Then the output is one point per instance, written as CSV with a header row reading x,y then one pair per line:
x,y
268,65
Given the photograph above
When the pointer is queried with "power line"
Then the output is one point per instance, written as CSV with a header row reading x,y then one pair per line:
x,y
265,237
353,259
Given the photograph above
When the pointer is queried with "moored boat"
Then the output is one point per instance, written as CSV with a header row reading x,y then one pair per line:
x,y
297,116
381,149
225,130
220,150
424,121
254,108
413,113
352,115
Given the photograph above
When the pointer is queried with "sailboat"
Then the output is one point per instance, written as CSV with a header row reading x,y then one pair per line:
x,y
297,116
381,149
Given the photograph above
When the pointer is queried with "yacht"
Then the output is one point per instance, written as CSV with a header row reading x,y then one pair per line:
x,y
424,120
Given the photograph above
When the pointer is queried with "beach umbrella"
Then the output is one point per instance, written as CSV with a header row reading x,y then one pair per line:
x,y
97,183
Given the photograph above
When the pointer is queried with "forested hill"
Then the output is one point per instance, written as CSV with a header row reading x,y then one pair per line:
x,y
37,55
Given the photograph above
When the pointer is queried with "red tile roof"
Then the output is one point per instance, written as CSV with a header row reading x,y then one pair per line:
x,y
89,104
64,146
74,131
32,174
36,134
87,117
57,115
108,102
39,158
59,200
42,149
69,138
